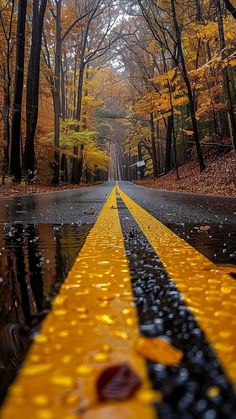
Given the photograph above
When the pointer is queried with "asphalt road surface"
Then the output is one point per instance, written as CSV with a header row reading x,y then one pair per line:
x,y
184,297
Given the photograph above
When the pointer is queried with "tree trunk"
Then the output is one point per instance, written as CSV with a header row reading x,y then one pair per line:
x,y
7,93
63,93
227,93
75,165
198,11
77,173
6,130
189,88
229,6
153,143
168,143
64,168
80,91
81,163
18,93
74,84
170,89
32,97
66,69
57,100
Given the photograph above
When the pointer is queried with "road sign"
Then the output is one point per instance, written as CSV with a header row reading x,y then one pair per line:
x,y
141,163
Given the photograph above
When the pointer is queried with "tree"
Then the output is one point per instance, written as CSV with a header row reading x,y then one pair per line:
x,y
15,164
56,92
226,78
6,74
150,13
230,7
32,96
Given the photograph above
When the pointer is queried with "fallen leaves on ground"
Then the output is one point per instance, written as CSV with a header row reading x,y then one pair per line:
x,y
159,350
118,382
219,178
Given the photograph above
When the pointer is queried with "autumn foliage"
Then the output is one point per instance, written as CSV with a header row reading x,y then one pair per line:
x,y
105,84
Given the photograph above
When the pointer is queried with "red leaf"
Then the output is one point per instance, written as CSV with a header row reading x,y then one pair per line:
x,y
118,382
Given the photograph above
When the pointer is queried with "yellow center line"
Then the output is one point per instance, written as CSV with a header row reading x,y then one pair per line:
x,y
208,291
92,325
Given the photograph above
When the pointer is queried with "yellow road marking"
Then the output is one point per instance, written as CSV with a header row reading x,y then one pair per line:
x,y
208,291
92,325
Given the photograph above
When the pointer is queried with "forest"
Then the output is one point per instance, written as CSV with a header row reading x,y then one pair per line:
x,y
88,88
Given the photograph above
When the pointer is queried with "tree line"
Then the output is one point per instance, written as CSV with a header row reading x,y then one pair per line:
x,y
52,45
181,66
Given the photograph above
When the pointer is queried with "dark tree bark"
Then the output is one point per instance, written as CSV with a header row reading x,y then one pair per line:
x,y
226,79
74,84
15,164
56,95
173,131
81,163
168,157
64,169
80,90
63,92
170,120
6,131
153,144
65,74
32,96
7,91
75,165
198,11
189,88
229,6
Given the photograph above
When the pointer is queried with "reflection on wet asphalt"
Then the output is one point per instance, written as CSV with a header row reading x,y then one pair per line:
x,y
57,207
177,207
34,261
198,386
216,242
208,223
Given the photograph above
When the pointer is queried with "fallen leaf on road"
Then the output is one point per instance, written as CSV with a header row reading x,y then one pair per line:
x,y
159,350
132,233
89,211
204,228
118,382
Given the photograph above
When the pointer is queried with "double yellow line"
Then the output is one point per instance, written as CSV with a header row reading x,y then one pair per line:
x,y
92,325
209,292
93,322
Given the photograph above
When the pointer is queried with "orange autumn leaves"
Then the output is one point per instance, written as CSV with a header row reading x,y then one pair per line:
x,y
120,382
159,350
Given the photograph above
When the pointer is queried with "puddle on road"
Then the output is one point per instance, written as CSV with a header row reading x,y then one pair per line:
x,y
215,241
34,261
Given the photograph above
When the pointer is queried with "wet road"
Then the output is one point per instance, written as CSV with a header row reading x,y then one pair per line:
x,y
71,206
40,237
75,206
